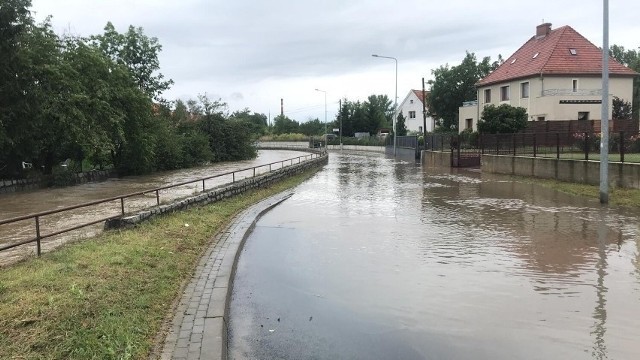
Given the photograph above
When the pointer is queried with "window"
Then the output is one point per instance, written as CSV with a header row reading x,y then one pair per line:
x,y
524,90
410,101
541,118
574,85
504,93
412,114
469,123
583,115
487,96
573,52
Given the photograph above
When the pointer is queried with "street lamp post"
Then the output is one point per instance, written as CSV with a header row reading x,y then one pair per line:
x,y
325,114
395,101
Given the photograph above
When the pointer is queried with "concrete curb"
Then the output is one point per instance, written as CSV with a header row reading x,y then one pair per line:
x,y
199,326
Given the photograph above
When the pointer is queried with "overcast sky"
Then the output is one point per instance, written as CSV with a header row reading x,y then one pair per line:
x,y
253,53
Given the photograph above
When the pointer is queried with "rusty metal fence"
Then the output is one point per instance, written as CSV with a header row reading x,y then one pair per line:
x,y
37,218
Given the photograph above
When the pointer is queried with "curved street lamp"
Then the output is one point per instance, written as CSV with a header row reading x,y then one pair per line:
x,y
395,101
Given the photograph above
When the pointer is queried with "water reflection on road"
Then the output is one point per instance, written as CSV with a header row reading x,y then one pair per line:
x,y
23,203
379,259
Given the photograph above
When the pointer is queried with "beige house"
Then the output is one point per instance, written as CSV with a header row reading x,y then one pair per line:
x,y
556,75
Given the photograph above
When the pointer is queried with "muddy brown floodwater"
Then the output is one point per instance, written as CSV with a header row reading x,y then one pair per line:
x,y
23,203
375,258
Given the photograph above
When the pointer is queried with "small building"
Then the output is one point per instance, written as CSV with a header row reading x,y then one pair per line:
x,y
555,75
411,108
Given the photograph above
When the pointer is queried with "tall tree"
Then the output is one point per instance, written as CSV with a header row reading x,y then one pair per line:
x,y
631,59
15,101
401,126
312,127
454,85
283,125
139,53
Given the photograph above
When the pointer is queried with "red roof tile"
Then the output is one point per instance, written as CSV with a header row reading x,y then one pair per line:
x,y
555,58
420,94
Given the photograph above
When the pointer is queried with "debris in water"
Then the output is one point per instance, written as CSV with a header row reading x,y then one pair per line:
x,y
278,319
272,330
310,318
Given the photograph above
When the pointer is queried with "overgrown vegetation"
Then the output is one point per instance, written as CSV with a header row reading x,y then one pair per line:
x,y
502,119
106,297
99,99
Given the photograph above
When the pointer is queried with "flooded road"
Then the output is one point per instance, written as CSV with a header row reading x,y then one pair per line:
x,y
380,259
23,203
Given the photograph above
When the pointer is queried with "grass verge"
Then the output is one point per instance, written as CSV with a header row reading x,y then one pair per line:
x,y
617,196
106,297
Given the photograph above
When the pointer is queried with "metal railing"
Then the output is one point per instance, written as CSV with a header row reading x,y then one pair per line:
x,y
572,92
623,147
37,217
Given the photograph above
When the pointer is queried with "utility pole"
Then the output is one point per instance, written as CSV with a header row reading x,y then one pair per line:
x,y
340,116
424,116
604,121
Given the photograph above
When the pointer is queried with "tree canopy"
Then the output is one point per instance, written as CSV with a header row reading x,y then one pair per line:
x,y
631,59
503,119
369,116
78,99
454,85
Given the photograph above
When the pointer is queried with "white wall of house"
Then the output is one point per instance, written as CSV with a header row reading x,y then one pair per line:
x,y
411,109
546,93
468,115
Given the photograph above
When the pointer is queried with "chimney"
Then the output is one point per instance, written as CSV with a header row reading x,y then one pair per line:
x,y
282,107
543,30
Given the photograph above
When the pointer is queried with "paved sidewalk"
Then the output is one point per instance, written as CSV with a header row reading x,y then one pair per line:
x,y
199,326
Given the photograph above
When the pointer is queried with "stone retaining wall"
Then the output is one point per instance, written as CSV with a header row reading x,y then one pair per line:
x,y
431,158
42,181
624,175
218,193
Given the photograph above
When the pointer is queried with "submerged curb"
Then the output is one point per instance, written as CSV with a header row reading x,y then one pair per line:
x,y
199,327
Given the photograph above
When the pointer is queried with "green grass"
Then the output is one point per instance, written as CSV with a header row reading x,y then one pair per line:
x,y
106,297
617,196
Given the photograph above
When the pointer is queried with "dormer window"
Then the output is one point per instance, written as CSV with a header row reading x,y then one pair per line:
x,y
573,51
535,55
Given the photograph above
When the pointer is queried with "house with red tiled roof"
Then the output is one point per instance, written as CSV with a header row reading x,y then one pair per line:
x,y
555,75
411,108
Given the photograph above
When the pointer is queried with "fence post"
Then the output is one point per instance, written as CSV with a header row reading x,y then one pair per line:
x,y
513,143
202,185
622,146
481,144
233,177
157,197
458,151
557,145
497,144
122,205
254,171
535,144
38,248
586,146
